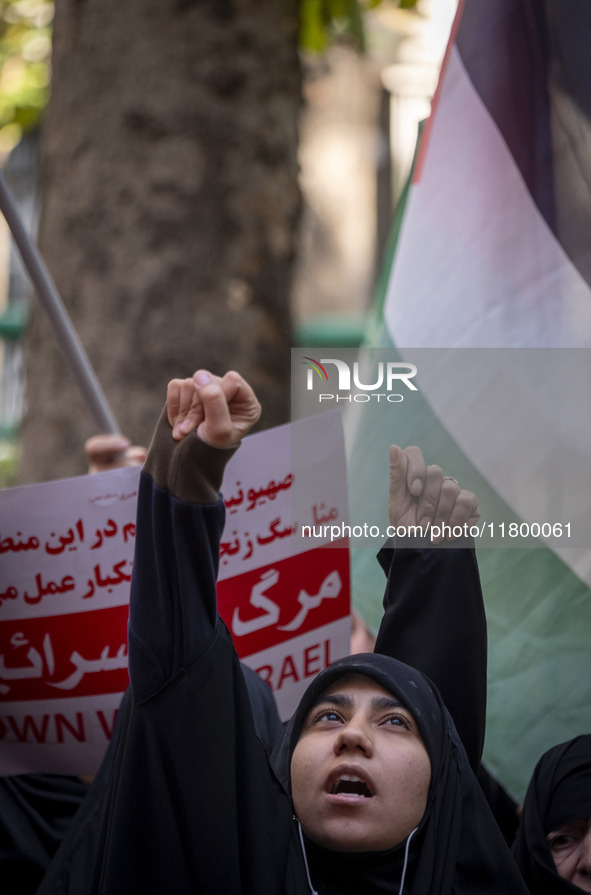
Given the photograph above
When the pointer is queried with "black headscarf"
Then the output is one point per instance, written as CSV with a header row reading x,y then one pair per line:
x,y
559,791
457,847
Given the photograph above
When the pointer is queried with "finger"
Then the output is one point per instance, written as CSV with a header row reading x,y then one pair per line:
x,y
190,411
429,497
399,496
447,498
232,383
465,509
136,455
216,427
203,377
398,467
416,469
173,399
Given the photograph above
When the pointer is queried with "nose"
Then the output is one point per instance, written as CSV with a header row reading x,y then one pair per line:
x,y
354,737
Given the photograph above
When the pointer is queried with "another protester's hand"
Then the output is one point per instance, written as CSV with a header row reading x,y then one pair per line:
x,y
222,410
105,452
421,495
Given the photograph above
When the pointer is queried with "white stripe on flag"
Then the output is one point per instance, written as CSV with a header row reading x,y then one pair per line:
x,y
476,264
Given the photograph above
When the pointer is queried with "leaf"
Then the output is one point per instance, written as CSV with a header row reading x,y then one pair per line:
x,y
312,26
324,21
25,48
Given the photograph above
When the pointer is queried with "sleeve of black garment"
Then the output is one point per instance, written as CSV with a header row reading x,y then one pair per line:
x,y
173,610
434,620
191,801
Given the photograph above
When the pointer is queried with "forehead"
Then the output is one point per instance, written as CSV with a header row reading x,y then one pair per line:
x,y
357,685
579,825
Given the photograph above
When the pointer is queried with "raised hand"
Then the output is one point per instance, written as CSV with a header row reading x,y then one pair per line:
x,y
108,451
222,409
421,495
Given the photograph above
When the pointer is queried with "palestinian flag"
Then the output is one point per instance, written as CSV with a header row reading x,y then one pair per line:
x,y
488,292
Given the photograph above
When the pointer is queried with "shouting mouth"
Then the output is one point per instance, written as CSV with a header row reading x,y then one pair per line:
x,y
351,786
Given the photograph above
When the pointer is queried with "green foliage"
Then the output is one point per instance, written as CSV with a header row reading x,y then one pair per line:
x,y
324,21
8,464
25,51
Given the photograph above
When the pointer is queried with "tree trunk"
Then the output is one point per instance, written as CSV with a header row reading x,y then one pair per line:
x,y
169,209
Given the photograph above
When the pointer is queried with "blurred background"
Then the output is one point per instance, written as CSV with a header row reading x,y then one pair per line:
x,y
209,184
212,182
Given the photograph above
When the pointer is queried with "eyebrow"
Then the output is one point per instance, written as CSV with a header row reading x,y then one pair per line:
x,y
342,700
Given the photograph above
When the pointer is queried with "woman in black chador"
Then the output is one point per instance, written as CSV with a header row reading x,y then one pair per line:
x,y
432,830
553,844
370,790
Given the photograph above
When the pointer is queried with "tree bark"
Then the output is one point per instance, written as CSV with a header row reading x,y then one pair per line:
x,y
169,209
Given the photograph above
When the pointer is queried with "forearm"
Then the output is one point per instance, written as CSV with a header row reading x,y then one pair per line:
x,y
434,620
173,610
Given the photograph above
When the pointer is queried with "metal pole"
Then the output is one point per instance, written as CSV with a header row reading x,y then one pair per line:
x,y
67,337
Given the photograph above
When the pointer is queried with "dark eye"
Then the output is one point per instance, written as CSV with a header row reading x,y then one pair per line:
x,y
559,841
397,721
327,715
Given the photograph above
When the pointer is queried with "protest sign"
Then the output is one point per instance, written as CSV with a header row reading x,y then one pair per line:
x,y
66,554
284,597
66,550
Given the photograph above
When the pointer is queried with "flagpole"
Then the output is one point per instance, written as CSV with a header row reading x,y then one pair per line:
x,y
67,337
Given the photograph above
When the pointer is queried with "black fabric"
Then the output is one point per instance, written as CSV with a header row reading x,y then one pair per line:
x,y
266,718
458,847
434,620
559,791
49,823
68,873
191,798
36,810
350,874
502,805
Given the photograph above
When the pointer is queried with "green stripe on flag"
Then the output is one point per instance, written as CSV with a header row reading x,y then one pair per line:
x,y
538,610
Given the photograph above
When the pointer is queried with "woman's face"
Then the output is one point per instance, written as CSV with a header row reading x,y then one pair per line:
x,y
360,772
570,845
